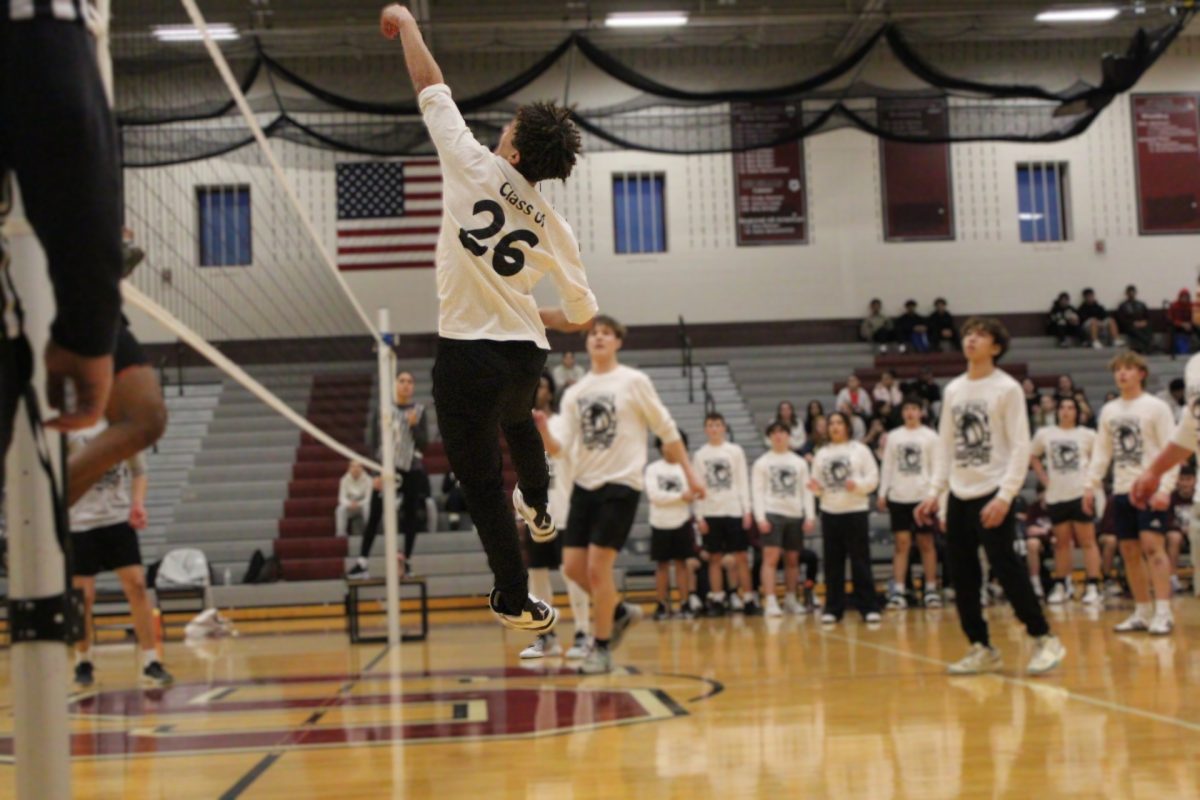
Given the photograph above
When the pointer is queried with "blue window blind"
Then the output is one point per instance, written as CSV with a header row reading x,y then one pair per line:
x,y
224,225
639,212
1042,202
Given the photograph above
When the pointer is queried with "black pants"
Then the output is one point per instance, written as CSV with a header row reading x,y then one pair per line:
x,y
482,388
964,534
414,488
811,563
848,535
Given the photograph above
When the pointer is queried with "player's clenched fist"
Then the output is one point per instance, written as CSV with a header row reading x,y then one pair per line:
x,y
392,18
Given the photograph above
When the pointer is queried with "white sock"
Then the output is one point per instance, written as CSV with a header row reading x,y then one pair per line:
x,y
149,657
1144,610
581,606
539,584
1162,607
83,655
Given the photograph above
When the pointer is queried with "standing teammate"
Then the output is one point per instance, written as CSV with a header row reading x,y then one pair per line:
x,y
672,537
983,459
498,239
1067,449
1134,429
607,417
785,513
104,524
725,516
905,476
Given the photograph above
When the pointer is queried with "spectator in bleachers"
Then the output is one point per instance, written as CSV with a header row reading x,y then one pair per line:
x,y
1096,323
1134,320
1065,387
887,390
567,372
912,329
785,414
854,397
942,331
1047,413
927,389
1063,323
877,327
815,409
818,437
1179,315
1087,416
456,501
1175,396
1033,398
353,493
875,436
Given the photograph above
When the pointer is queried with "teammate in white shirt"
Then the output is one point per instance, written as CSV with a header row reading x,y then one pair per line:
x,y
498,239
104,524
1134,429
672,535
906,473
785,513
983,460
608,416
1067,450
725,516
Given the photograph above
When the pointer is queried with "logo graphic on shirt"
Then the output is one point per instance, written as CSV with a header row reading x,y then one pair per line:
x,y
908,459
669,483
835,472
783,481
598,420
972,434
718,474
1128,444
1064,456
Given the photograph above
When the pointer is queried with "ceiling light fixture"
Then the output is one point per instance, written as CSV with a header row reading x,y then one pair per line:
x,y
219,31
646,19
1079,15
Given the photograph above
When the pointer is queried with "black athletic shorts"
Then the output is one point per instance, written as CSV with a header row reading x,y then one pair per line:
x,y
672,544
1070,511
1131,521
786,532
602,516
725,535
103,549
128,352
904,518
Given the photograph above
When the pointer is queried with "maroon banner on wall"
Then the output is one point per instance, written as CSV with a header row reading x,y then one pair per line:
x,y
769,192
918,196
1166,133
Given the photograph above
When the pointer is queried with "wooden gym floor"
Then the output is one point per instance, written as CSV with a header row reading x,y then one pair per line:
x,y
725,708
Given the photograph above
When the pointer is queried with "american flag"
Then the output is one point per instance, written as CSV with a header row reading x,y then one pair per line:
x,y
388,213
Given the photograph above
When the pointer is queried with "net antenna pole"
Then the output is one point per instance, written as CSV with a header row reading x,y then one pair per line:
x,y
387,408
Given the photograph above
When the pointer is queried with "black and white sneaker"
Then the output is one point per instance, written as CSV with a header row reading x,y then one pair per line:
x,y
537,518
661,612
85,674
626,616
358,572
156,675
537,616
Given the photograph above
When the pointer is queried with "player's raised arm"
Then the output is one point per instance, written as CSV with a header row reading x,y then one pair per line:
x,y
397,21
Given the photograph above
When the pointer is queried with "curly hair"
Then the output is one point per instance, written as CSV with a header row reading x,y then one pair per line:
x,y
547,140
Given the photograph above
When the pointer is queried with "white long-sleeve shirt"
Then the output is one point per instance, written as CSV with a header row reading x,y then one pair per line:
x,y
984,438
1185,432
499,238
665,486
859,402
606,421
354,490
837,463
110,499
723,469
1130,436
1068,455
561,476
908,464
779,485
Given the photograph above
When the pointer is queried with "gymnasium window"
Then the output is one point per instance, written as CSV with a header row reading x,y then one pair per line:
x,y
639,212
1043,202
224,225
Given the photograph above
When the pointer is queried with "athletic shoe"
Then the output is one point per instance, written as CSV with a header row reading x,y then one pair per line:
x,y
580,647
979,659
735,603
897,602
1134,624
1118,342
85,674
933,599
544,645
359,571
810,600
685,613
872,617
661,612
622,623
1161,625
792,606
1092,596
695,603
598,661
1176,586
751,608
771,607
829,619
1048,653
715,607
1058,595
537,616
156,675
948,594
1112,588
537,519
1096,345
